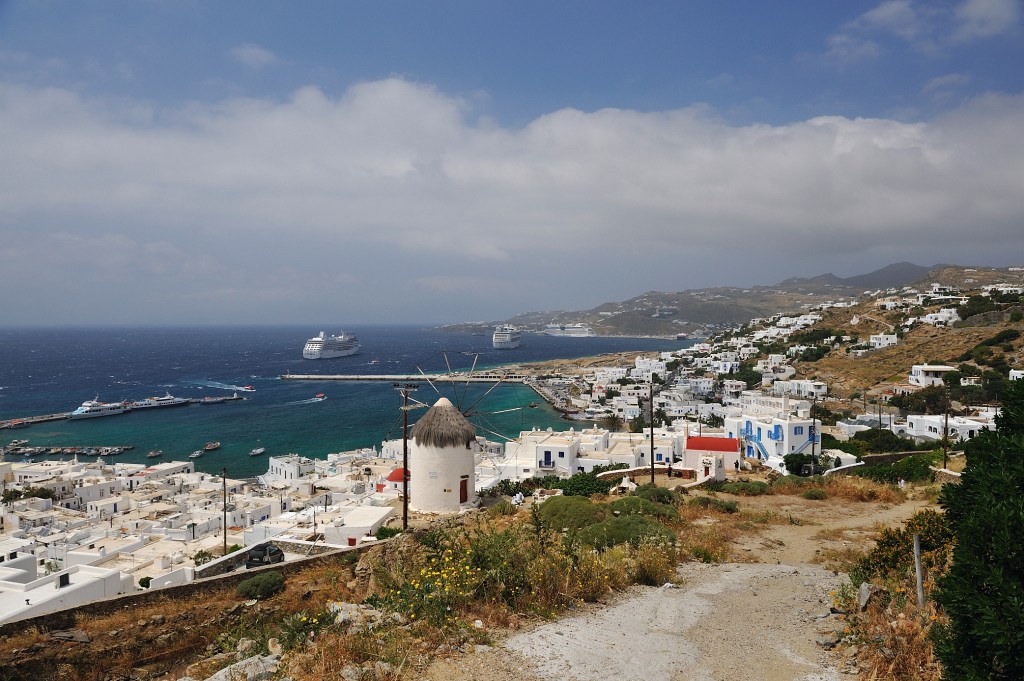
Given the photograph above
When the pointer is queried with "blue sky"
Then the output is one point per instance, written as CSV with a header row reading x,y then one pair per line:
x,y
343,162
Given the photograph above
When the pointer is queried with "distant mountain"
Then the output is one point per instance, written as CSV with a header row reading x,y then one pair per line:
x,y
890,276
700,312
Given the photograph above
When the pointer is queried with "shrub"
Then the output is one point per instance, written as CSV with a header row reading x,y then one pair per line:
x,y
914,468
627,529
388,532
661,495
815,494
563,512
893,555
654,563
503,507
144,582
637,506
262,586
715,504
753,488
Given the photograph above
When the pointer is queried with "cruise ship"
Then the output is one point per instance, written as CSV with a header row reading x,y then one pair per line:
x,y
574,330
506,337
167,400
326,347
93,408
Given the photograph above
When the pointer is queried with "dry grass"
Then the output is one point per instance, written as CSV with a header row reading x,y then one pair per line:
x,y
839,559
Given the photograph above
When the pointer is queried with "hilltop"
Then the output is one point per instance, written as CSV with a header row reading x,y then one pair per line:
x,y
705,311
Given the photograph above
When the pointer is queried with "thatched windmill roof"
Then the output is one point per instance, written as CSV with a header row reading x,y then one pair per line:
x,y
443,426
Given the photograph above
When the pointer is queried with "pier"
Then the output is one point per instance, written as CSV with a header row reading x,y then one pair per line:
x,y
29,420
484,377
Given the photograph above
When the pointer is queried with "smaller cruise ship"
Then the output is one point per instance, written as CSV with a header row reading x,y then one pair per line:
x,y
328,347
91,409
506,337
167,400
573,330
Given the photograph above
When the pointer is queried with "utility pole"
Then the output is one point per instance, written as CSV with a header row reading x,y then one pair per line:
x,y
945,437
405,390
224,480
652,428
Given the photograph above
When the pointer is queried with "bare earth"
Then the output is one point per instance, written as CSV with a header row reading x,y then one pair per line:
x,y
745,621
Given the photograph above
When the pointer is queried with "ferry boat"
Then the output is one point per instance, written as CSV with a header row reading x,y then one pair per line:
x,y
94,408
328,347
573,330
167,400
506,337
210,446
257,451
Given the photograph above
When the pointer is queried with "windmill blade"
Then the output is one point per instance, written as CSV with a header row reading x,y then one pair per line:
x,y
429,382
505,411
482,397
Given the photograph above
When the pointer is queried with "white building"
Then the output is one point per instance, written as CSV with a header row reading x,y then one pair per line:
x,y
882,340
441,460
927,375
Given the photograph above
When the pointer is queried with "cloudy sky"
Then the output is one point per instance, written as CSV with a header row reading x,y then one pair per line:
x,y
343,162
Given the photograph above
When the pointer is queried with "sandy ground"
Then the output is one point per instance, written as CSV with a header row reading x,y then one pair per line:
x,y
750,621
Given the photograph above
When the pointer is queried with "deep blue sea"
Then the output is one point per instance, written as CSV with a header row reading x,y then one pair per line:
x,y
49,370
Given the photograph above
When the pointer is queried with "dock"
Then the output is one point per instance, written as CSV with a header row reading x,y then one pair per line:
x,y
28,420
483,377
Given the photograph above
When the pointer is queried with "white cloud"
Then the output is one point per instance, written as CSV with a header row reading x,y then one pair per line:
x,y
846,48
390,202
253,56
985,18
900,17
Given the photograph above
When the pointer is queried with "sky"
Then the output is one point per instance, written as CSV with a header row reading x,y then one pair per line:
x,y
352,162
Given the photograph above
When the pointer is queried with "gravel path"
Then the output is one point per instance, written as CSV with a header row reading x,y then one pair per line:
x,y
722,622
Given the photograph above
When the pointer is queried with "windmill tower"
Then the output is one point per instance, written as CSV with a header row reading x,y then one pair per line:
x,y
441,460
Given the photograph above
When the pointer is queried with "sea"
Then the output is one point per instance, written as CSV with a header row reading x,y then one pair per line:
x,y
53,370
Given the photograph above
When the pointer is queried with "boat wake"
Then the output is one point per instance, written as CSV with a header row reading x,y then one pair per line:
x,y
311,400
224,386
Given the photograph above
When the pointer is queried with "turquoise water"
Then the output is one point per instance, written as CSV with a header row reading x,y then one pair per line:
x,y
54,370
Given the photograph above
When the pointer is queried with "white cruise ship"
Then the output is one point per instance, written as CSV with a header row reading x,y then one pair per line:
x,y
167,400
326,347
574,330
506,337
93,408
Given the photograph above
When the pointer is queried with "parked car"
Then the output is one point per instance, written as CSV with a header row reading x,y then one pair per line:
x,y
264,555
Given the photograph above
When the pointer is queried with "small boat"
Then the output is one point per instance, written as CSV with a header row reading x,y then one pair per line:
x,y
248,388
533,405
213,400
320,397
154,454
18,443
196,454
257,451
210,446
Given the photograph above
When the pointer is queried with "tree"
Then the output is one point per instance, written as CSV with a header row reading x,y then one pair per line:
x,y
983,592
612,422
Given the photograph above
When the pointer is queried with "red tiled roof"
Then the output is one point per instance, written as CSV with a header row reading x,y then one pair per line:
x,y
713,444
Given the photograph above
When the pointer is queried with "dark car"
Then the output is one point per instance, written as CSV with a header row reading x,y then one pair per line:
x,y
264,555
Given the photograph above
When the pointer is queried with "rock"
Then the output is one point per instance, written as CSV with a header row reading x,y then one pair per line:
x,y
157,619
480,648
274,647
246,648
826,643
864,594
478,624
253,669
76,635
852,651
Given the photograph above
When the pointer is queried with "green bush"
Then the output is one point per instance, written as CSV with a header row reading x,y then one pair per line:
x,y
914,468
661,495
144,582
632,505
388,532
262,586
754,488
815,494
983,591
626,529
561,512
503,507
715,504
893,555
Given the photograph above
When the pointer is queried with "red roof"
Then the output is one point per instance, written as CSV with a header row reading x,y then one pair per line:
x,y
713,444
396,475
